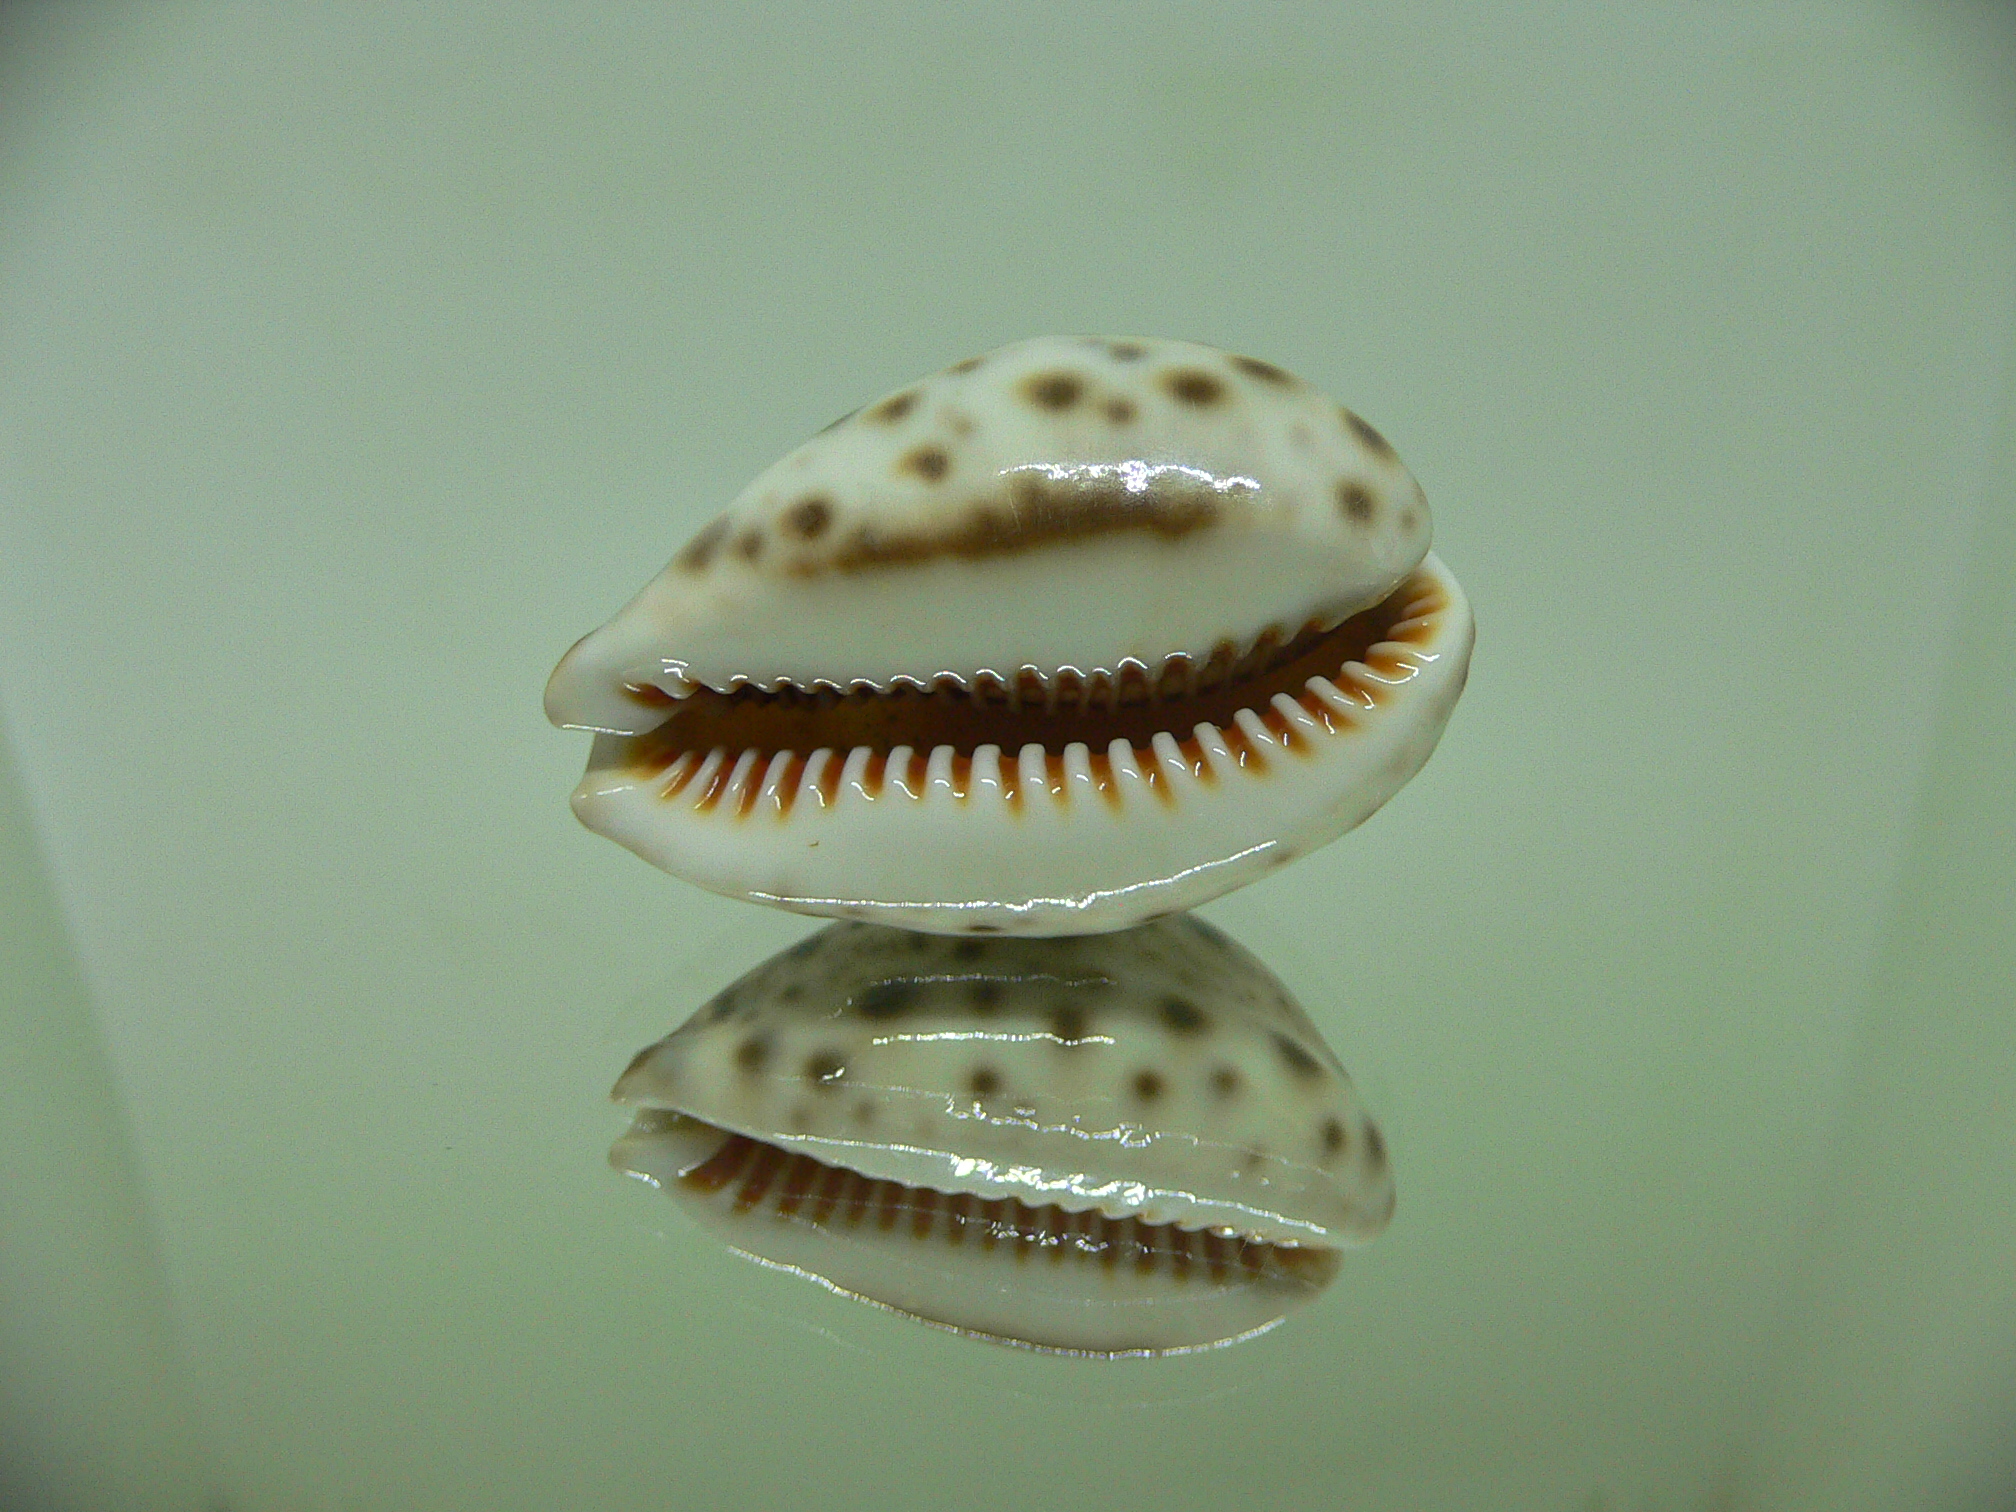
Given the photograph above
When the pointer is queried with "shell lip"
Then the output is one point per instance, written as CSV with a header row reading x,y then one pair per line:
x,y
1054,708
1072,1192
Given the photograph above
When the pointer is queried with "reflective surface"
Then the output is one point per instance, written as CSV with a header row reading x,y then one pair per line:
x,y
343,362
1126,1143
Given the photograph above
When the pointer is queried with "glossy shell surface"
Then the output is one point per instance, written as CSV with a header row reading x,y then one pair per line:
x,y
1117,1143
1065,637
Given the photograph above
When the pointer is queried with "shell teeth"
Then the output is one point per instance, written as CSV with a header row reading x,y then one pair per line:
x,y
1130,680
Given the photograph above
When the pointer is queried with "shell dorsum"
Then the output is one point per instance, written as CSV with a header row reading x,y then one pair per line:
x,y
1121,578
889,1110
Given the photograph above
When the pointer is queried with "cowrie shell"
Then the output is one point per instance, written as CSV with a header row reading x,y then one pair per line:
x,y
1068,636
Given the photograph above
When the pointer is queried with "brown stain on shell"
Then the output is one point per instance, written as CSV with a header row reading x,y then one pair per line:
x,y
1034,510
1372,441
1266,372
1054,392
930,463
1195,387
894,408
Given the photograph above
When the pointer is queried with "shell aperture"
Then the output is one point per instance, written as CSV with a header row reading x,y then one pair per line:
x,y
1066,637
1131,1142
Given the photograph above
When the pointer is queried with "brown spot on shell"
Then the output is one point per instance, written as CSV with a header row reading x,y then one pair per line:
x,y
1147,1086
894,408
1067,1023
1375,1147
966,365
984,1082
700,550
1126,351
1053,391
810,517
824,1068
1355,501
1194,386
1373,442
986,995
749,545
1266,372
886,1000
1119,411
1224,1081
1332,1135
1183,1016
1298,1059
753,1054
927,462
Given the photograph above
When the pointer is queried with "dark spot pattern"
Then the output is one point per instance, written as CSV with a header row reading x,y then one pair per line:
x,y
700,550
1194,386
824,1068
1067,1022
722,1006
1355,501
894,408
968,950
753,1054
1224,1081
1409,521
1053,391
985,1081
966,365
749,545
1266,372
1375,1147
1298,1060
1126,351
809,518
1147,1086
1183,1016
1119,411
886,1000
927,462
1332,1134
1373,442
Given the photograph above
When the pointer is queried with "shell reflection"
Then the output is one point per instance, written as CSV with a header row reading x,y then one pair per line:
x,y
1121,1143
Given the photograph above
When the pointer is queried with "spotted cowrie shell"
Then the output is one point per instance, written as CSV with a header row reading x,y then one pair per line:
x,y
1069,636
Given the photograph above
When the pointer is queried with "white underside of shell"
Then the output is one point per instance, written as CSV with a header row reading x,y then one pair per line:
x,y
1050,843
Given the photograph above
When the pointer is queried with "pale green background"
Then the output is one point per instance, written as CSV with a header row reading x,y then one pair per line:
x,y
354,361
